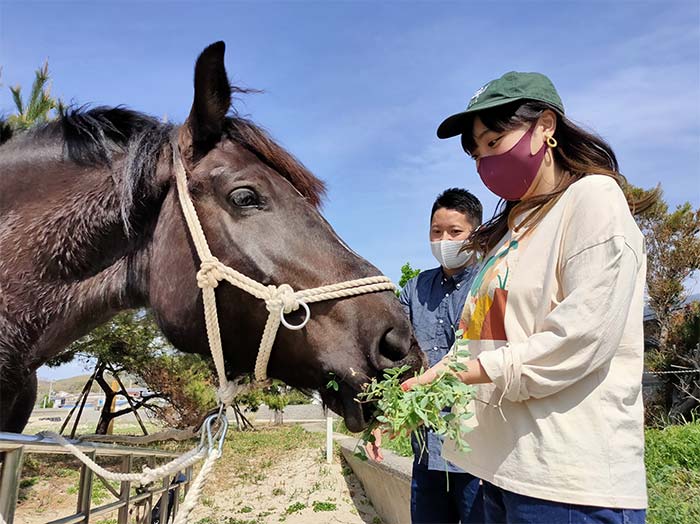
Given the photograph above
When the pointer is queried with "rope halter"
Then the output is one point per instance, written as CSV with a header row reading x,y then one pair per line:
x,y
279,300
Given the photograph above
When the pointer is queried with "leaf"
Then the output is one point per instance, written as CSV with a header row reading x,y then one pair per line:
x,y
361,454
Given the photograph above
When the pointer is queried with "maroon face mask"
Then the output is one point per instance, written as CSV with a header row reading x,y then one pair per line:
x,y
510,174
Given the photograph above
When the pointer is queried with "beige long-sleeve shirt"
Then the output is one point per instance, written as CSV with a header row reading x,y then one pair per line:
x,y
555,318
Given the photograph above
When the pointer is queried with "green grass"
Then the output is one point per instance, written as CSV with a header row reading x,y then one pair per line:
x,y
673,474
400,445
283,438
99,492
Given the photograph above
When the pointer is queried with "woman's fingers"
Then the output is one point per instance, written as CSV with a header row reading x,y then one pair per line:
x,y
373,449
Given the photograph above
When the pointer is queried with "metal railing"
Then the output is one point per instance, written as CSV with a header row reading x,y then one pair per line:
x,y
14,447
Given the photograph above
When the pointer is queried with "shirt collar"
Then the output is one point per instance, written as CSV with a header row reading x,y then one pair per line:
x,y
459,277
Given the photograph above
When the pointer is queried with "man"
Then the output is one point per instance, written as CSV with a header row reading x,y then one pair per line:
x,y
434,301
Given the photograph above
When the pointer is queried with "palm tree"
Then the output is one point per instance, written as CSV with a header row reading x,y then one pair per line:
x,y
38,107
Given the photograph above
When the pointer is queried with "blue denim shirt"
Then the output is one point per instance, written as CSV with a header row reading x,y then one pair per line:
x,y
434,305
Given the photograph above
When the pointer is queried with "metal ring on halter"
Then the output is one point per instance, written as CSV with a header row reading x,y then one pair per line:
x,y
220,434
298,326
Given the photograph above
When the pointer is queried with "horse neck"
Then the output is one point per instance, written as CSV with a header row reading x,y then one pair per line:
x,y
72,264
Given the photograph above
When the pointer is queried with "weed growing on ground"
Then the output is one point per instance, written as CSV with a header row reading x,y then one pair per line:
x,y
294,508
324,506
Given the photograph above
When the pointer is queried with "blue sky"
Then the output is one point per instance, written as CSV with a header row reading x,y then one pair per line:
x,y
356,89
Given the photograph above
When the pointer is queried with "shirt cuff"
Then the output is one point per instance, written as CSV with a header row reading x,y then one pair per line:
x,y
504,369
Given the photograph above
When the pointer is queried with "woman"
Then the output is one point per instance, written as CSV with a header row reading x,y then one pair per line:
x,y
554,317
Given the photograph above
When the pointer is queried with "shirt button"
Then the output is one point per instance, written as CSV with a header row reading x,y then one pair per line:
x,y
440,321
447,294
457,285
434,348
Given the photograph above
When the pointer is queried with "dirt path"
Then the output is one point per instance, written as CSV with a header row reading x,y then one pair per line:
x,y
267,476
283,477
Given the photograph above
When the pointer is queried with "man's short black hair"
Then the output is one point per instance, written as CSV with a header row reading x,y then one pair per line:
x,y
460,200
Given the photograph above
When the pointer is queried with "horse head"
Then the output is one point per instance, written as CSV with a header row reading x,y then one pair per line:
x,y
259,211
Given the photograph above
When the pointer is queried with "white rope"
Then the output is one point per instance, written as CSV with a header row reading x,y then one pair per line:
x,y
147,476
196,489
682,372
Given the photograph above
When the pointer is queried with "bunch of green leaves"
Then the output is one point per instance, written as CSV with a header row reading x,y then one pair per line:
x,y
402,412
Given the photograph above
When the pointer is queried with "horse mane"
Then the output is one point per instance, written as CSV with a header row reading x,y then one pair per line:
x,y
5,131
94,136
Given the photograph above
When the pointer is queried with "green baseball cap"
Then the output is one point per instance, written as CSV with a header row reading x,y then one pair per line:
x,y
510,87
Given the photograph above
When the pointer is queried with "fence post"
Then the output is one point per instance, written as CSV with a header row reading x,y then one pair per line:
x,y
9,482
125,492
85,491
329,440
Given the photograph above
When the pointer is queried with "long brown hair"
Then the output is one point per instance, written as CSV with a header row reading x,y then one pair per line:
x,y
579,153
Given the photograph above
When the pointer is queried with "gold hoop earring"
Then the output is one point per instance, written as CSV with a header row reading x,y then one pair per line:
x,y
551,141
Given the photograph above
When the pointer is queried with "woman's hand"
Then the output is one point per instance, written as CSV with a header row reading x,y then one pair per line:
x,y
424,378
373,449
475,374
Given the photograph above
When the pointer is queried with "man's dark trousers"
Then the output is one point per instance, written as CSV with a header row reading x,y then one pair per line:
x,y
432,503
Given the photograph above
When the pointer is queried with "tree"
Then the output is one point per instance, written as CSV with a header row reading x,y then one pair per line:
x,y
276,396
37,110
131,342
407,273
673,256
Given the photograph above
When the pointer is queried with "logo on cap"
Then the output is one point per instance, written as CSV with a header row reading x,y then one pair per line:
x,y
476,96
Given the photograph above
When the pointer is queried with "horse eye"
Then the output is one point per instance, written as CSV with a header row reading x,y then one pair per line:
x,y
244,197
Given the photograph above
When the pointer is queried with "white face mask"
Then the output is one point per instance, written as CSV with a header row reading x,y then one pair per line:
x,y
447,253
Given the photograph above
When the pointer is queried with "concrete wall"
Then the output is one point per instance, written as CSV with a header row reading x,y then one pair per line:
x,y
387,484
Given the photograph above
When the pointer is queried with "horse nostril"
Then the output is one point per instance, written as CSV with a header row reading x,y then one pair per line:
x,y
392,348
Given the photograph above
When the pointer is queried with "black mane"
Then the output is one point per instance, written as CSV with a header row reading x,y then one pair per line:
x,y
95,136
5,131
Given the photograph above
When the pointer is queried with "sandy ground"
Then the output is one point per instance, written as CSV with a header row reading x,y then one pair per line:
x,y
254,482
300,489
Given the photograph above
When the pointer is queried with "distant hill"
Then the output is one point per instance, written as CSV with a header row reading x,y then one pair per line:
x,y
70,385
76,384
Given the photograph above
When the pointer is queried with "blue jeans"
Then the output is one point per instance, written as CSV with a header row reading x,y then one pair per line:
x,y
432,503
506,507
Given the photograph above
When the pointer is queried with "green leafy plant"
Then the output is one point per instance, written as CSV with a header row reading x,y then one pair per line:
x,y
294,508
324,506
402,412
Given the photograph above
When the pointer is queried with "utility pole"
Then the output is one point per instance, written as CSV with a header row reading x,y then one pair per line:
x,y
47,398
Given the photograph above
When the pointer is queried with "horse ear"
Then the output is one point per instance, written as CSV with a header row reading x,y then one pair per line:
x,y
212,100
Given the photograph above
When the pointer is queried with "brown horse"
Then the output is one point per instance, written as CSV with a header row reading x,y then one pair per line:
x,y
90,225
